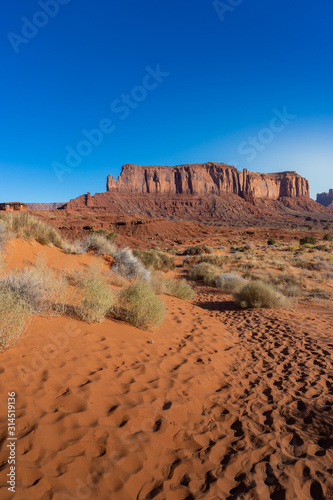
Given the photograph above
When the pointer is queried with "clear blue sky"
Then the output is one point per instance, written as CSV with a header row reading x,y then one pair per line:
x,y
215,74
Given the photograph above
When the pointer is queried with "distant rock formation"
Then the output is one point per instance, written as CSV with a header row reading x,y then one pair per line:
x,y
45,206
326,199
210,192
208,178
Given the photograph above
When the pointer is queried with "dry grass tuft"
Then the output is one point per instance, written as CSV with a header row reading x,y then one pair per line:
x,y
260,295
176,288
40,288
95,298
155,260
230,282
129,266
208,273
15,315
24,225
138,305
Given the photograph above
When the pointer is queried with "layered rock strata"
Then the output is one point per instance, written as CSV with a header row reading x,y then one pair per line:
x,y
208,178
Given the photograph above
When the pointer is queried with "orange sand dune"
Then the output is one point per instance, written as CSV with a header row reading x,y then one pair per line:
x,y
223,404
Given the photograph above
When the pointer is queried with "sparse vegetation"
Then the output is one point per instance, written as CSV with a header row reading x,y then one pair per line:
x,y
24,225
43,291
289,284
109,235
99,243
3,234
155,260
230,282
308,240
16,315
258,294
197,250
138,305
208,273
271,241
328,237
216,260
176,288
95,298
129,266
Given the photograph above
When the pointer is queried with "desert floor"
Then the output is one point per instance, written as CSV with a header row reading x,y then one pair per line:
x,y
217,403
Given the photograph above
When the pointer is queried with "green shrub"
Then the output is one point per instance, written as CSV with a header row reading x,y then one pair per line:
x,y
138,305
308,240
24,225
205,272
155,260
15,315
271,241
95,300
328,237
260,295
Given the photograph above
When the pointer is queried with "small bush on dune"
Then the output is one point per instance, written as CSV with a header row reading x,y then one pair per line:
x,y
29,227
99,243
328,237
129,266
208,273
15,315
271,241
260,295
155,260
176,288
94,241
138,305
230,282
95,300
43,291
180,289
77,247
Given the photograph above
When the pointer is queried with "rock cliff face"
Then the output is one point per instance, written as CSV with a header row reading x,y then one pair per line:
x,y
207,178
325,199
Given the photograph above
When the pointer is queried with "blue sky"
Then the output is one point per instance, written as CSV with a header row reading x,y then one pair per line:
x,y
243,82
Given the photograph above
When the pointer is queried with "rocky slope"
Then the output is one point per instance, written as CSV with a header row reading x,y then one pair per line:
x,y
207,178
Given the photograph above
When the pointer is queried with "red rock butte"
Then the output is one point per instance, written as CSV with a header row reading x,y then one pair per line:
x,y
208,178
210,192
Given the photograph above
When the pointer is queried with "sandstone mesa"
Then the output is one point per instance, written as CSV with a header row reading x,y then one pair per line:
x,y
208,178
